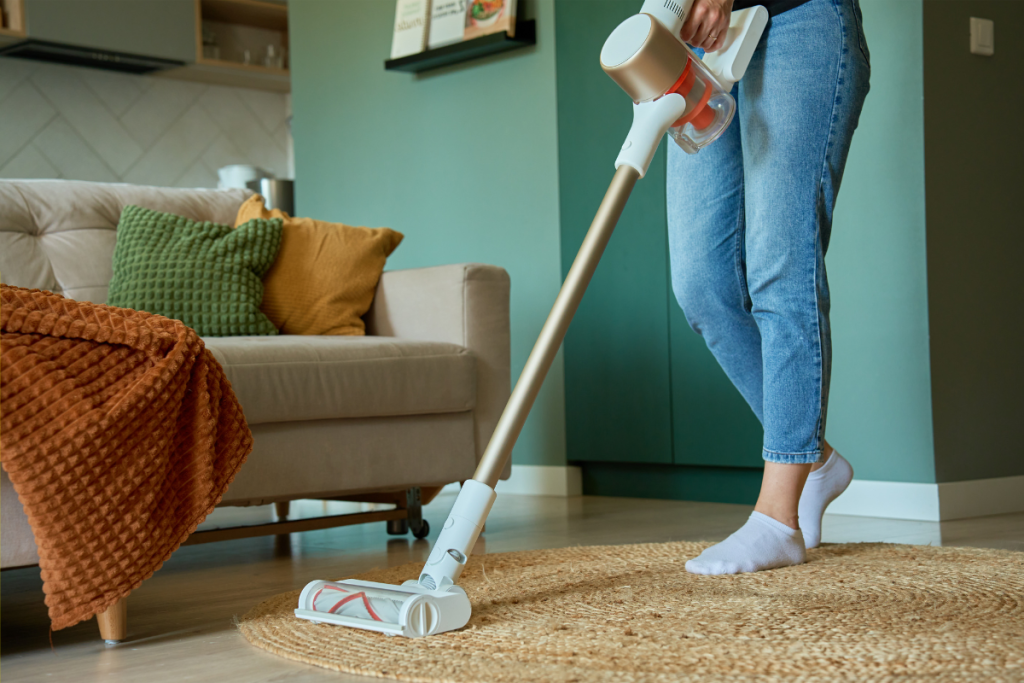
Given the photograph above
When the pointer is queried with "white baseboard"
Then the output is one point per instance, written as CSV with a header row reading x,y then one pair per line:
x,y
864,498
542,480
891,499
980,497
931,502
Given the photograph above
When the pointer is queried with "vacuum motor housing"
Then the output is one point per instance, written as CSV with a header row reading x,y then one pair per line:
x,y
648,61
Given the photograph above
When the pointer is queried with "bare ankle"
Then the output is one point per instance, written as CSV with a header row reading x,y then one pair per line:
x,y
780,492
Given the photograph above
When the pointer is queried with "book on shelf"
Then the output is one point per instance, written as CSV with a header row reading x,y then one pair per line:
x,y
447,22
452,21
489,16
411,19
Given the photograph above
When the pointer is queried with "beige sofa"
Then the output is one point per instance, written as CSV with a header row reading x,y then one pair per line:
x,y
412,404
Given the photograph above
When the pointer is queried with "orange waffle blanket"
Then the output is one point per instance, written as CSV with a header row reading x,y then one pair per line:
x,y
120,433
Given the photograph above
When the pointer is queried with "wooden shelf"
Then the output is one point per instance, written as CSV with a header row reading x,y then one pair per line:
x,y
220,72
251,68
250,14
526,35
255,13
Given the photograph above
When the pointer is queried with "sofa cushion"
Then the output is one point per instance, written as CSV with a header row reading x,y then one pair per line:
x,y
325,274
207,275
59,235
294,378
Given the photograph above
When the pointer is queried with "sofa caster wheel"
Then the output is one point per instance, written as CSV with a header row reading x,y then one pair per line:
x,y
398,527
423,531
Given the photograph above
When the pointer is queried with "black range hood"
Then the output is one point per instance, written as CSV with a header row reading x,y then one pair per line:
x,y
47,51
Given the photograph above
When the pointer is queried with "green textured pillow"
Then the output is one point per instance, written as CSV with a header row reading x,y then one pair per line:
x,y
206,275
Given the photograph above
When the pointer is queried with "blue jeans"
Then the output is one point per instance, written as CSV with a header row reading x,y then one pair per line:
x,y
749,220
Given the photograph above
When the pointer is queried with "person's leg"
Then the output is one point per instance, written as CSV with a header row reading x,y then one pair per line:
x,y
798,107
799,110
706,246
705,239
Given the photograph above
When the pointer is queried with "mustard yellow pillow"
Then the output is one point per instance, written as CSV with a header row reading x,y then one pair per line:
x,y
325,274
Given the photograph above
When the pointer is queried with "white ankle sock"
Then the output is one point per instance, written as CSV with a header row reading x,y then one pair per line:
x,y
761,543
823,486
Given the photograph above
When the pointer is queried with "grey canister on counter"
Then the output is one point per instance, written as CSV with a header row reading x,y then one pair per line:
x,y
279,194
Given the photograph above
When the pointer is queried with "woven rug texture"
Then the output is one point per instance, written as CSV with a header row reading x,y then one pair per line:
x,y
119,432
855,612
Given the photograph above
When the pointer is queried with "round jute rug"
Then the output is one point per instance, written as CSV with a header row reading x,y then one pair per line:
x,y
853,612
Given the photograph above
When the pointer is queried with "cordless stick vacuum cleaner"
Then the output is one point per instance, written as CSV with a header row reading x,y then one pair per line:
x,y
673,91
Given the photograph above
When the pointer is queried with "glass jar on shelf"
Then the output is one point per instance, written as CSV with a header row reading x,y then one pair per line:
x,y
211,49
274,58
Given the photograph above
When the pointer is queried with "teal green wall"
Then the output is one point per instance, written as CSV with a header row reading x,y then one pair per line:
x,y
463,161
880,407
975,176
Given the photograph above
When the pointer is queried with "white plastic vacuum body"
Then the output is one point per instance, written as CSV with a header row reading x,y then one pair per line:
x,y
408,610
433,604
730,62
673,91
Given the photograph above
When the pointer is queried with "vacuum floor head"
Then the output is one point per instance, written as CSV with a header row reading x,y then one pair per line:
x,y
408,610
433,604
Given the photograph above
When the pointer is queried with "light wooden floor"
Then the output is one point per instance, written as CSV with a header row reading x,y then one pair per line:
x,y
180,621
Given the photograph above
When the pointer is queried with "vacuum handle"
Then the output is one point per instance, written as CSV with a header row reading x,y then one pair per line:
x,y
499,449
450,553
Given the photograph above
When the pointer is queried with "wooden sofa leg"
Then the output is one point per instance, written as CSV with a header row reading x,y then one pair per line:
x,y
282,507
114,622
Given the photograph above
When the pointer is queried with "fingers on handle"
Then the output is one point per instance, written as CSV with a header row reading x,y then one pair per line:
x,y
706,26
693,22
719,41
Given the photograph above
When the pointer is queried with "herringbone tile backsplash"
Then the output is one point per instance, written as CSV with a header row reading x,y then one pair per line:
x,y
69,122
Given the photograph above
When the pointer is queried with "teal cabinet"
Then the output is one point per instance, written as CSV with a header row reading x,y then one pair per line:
x,y
647,407
711,422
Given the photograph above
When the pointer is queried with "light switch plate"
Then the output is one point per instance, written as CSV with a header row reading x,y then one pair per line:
x,y
983,37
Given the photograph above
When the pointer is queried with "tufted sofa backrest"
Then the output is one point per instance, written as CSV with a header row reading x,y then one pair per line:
x,y
59,235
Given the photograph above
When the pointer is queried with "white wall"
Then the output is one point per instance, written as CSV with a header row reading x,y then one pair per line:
x,y
68,122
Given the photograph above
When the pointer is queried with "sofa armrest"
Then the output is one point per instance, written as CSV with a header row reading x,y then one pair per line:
x,y
465,304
